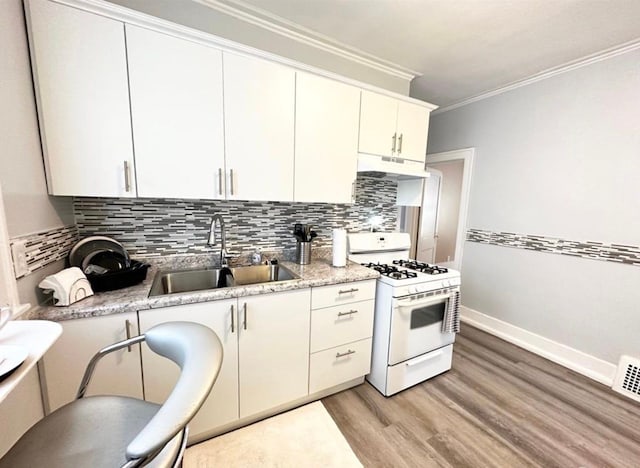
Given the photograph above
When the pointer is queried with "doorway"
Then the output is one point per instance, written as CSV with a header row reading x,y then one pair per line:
x,y
438,227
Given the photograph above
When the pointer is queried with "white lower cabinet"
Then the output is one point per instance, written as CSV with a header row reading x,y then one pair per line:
x,y
338,365
117,373
160,374
266,355
274,349
341,334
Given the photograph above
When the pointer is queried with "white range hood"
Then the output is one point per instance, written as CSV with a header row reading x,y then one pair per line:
x,y
391,167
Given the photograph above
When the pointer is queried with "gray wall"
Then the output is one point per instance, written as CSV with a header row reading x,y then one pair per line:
x,y
557,158
28,207
203,18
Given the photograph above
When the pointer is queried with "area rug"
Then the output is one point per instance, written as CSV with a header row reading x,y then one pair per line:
x,y
301,438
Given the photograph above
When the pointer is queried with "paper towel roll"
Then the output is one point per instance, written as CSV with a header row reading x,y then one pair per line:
x,y
339,247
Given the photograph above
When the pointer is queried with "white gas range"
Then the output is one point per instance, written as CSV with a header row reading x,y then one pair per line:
x,y
415,313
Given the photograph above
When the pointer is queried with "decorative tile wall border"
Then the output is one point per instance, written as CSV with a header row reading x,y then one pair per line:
x,y
45,247
152,227
617,253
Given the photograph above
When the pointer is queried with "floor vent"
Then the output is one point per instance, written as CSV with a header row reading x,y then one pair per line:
x,y
627,379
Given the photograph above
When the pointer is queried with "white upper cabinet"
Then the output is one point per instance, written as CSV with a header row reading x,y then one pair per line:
x,y
378,119
326,154
177,115
259,105
413,128
394,128
80,76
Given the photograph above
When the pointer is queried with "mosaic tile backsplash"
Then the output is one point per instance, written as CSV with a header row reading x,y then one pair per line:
x,y
617,253
151,227
45,247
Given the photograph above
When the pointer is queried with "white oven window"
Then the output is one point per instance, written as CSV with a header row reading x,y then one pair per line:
x,y
427,315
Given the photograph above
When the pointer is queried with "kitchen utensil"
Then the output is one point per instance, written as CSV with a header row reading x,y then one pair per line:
x,y
313,235
92,244
303,253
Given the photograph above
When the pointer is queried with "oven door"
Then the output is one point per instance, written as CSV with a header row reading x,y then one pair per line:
x,y
416,326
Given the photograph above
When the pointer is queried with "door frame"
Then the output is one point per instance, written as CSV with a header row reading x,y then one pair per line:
x,y
467,155
8,285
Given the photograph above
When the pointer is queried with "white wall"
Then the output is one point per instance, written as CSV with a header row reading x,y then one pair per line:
x,y
201,17
28,207
559,158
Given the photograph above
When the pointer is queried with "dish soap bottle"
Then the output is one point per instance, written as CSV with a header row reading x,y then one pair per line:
x,y
256,257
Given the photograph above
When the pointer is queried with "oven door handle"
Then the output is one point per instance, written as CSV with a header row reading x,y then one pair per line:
x,y
420,360
404,303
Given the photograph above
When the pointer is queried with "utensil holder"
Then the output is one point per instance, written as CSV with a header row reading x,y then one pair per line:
x,y
303,253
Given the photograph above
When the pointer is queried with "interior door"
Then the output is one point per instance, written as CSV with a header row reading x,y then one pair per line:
x,y
428,230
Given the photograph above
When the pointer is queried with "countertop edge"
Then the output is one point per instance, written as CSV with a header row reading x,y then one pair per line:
x,y
141,301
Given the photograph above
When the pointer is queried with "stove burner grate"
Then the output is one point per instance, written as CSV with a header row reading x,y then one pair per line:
x,y
390,270
421,267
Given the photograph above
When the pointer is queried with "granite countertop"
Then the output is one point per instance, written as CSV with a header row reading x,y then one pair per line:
x,y
318,273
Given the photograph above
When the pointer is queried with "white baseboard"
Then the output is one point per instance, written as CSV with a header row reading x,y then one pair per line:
x,y
585,364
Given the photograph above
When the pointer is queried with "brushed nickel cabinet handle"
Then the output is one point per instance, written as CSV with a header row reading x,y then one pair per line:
x,y
348,291
244,321
127,177
231,181
348,353
351,312
127,328
400,143
353,191
220,181
393,143
233,321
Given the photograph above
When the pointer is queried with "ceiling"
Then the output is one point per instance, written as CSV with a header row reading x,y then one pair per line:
x,y
462,48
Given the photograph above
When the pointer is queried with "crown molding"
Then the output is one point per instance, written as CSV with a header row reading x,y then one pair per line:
x,y
283,27
550,72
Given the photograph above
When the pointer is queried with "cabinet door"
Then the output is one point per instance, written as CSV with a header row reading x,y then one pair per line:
x,y
80,76
259,104
117,373
326,154
378,118
413,127
176,110
160,374
274,349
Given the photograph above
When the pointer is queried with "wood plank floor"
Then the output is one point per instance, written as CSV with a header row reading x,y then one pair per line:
x,y
499,406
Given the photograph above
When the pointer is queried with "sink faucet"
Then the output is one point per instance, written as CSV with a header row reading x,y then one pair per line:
x,y
224,255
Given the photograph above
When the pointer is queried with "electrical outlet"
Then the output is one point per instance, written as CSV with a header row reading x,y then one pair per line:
x,y
19,254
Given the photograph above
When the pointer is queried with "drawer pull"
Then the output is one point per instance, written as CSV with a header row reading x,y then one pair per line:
x,y
348,291
348,353
233,322
431,356
351,312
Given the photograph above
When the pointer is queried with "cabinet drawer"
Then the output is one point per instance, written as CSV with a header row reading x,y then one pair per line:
x,y
333,326
340,364
415,370
345,293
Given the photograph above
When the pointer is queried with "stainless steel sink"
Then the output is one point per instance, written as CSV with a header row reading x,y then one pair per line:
x,y
180,281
